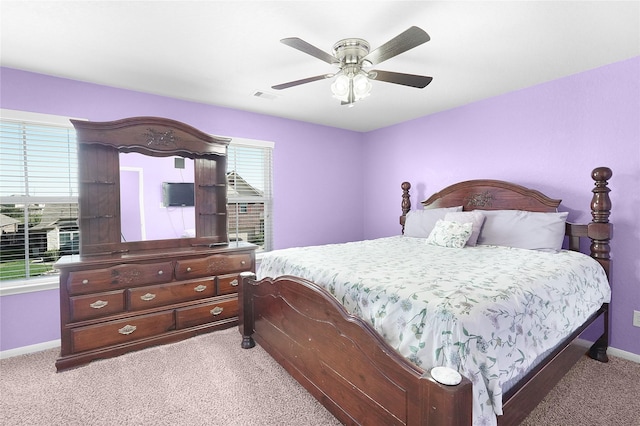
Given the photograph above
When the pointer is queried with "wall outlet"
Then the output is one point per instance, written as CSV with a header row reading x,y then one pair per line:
x,y
636,318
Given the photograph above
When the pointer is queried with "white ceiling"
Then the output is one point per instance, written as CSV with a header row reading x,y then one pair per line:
x,y
221,52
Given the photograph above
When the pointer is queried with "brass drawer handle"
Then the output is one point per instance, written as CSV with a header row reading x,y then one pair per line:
x,y
99,304
200,288
127,329
217,310
234,283
148,296
189,269
85,281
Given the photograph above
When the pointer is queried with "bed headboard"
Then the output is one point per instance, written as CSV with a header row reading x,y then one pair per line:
x,y
488,194
492,195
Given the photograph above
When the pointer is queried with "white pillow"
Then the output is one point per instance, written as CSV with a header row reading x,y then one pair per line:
x,y
420,223
450,234
475,217
522,229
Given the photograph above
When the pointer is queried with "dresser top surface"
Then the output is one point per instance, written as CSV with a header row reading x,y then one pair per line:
x,y
152,255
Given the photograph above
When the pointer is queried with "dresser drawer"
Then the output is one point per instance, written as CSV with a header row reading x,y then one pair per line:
x,y
207,312
96,305
166,294
216,264
123,331
228,284
125,275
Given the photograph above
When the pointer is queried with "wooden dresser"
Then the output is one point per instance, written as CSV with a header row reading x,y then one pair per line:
x,y
120,295
114,304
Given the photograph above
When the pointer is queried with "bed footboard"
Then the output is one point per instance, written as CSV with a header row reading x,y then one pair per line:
x,y
341,360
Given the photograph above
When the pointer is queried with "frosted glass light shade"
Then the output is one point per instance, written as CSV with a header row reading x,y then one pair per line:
x,y
351,89
361,86
340,87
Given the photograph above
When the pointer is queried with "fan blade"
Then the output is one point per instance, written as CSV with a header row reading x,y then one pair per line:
x,y
407,40
303,81
309,49
419,81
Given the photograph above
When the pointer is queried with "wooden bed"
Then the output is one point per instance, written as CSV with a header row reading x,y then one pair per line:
x,y
360,379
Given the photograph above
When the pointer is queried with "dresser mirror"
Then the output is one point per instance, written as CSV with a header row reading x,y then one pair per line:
x,y
156,197
134,181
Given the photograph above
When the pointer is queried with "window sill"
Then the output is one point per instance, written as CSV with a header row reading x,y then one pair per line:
x,y
9,288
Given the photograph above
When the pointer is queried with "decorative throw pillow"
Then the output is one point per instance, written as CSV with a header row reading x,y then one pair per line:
x,y
523,229
450,234
475,217
420,223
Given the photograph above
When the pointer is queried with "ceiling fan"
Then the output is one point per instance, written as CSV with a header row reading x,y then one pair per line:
x,y
352,56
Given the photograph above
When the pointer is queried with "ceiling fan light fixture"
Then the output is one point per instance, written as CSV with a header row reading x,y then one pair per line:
x,y
350,89
361,86
340,87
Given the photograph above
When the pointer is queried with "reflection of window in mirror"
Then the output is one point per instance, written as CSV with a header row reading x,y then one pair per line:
x,y
145,214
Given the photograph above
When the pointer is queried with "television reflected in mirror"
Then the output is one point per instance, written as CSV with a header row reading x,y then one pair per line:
x,y
177,194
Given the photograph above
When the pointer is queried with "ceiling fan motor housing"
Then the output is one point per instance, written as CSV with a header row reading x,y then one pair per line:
x,y
350,51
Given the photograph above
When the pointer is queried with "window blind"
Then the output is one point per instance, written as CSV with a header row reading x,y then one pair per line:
x,y
249,192
38,194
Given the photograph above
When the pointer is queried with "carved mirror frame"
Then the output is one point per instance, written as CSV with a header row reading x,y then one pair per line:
x,y
99,146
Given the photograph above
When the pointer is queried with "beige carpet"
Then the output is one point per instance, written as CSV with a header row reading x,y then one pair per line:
x,y
210,380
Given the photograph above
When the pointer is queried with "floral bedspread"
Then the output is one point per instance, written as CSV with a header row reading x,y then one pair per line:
x,y
485,311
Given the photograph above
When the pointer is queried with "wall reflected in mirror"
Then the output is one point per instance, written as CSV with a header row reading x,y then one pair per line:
x,y
145,210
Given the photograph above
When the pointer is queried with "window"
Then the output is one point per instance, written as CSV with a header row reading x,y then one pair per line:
x,y
38,193
249,191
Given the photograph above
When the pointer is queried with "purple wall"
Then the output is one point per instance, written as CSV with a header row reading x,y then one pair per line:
x,y
312,206
547,137
308,195
29,318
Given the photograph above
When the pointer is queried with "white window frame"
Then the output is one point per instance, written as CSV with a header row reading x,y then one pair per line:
x,y
48,282
268,193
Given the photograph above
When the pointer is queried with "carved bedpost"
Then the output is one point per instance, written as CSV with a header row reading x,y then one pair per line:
x,y
246,320
406,202
599,230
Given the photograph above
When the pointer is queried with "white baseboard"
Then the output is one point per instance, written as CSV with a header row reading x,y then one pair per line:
x,y
30,349
624,354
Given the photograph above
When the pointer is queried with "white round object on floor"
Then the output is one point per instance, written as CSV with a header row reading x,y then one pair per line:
x,y
446,376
